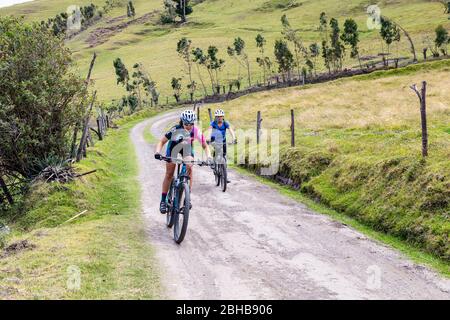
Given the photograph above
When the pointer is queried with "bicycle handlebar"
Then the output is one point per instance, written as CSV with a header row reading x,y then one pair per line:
x,y
181,161
213,142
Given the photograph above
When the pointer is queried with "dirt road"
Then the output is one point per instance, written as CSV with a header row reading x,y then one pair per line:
x,y
254,243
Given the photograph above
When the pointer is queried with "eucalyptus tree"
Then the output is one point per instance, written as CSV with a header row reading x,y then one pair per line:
x,y
390,33
199,60
406,33
237,51
285,59
212,63
337,48
314,50
350,36
131,12
177,87
184,51
442,39
183,9
122,74
263,61
174,9
326,50
292,36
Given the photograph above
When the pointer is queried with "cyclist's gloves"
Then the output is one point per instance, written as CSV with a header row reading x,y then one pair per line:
x,y
158,156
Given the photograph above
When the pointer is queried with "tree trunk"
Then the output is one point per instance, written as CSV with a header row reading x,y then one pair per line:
x,y
210,115
248,73
292,129
77,127
258,126
423,115
100,131
73,148
85,129
6,191
201,79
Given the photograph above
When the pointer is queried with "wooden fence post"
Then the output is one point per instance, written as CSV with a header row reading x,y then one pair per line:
x,y
103,124
6,191
90,140
97,133
258,126
107,121
210,115
292,129
82,145
73,149
423,115
99,127
198,112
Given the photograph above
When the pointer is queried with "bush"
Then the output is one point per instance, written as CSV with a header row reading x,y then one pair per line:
x,y
40,97
167,18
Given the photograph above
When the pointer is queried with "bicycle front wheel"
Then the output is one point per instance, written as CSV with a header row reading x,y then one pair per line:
x,y
170,205
217,174
181,216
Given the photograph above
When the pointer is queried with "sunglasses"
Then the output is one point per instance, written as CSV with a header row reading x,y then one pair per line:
x,y
188,124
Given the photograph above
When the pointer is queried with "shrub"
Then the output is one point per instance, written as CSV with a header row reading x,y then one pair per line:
x,y
40,97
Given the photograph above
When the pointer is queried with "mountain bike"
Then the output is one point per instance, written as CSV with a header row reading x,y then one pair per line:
x,y
179,198
220,166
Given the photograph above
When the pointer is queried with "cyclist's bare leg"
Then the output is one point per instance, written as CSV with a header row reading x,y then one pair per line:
x,y
170,170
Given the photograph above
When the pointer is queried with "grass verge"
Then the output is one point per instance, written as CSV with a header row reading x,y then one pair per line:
x,y
106,246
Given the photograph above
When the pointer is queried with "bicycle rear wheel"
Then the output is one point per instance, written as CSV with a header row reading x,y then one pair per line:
x,y
181,216
170,205
223,177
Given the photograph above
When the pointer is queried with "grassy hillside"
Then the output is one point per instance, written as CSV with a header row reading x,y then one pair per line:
x,y
218,23
359,148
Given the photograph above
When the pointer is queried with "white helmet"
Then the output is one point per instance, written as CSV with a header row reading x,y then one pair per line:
x,y
188,116
219,113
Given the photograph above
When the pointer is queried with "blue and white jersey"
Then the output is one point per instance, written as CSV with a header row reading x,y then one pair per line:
x,y
219,133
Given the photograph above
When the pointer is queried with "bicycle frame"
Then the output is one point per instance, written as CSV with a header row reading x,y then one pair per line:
x,y
181,176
